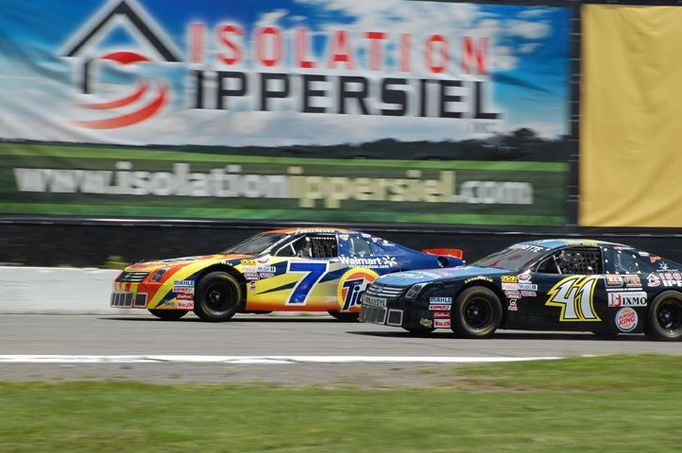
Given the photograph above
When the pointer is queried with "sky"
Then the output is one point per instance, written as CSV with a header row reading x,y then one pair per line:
x,y
528,65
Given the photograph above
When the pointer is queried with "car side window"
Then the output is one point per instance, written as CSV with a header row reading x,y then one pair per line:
x,y
574,260
360,247
626,262
311,246
548,265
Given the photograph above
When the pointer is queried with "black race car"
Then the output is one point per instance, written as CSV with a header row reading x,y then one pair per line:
x,y
554,284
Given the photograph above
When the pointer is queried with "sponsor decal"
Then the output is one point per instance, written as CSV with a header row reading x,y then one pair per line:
x,y
183,283
653,280
632,281
266,274
352,285
183,286
441,314
614,280
512,305
528,294
575,296
426,322
478,278
513,294
528,287
441,323
509,279
372,301
253,286
529,247
251,276
438,307
263,259
252,269
525,277
626,319
377,262
440,300
249,262
185,305
627,299
662,265
185,296
667,279
510,286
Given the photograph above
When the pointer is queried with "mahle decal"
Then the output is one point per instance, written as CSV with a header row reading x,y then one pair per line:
x,y
575,297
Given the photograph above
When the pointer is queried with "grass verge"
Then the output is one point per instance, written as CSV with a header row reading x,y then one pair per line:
x,y
616,403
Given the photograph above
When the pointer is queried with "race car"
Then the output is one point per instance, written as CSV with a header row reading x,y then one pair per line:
x,y
554,284
301,269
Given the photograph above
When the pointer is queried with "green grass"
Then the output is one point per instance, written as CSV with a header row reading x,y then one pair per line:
x,y
618,403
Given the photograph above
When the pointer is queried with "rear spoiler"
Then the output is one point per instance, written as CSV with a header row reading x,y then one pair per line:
x,y
454,253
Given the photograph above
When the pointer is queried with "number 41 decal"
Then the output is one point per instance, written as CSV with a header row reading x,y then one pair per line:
x,y
575,296
315,271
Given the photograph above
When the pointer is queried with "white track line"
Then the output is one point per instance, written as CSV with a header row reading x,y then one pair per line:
x,y
252,359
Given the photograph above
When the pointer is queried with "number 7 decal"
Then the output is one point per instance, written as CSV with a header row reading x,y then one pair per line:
x,y
315,271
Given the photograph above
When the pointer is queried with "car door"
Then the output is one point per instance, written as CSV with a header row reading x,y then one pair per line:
x,y
570,290
303,283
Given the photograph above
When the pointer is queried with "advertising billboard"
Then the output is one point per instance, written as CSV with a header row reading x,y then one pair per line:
x,y
329,110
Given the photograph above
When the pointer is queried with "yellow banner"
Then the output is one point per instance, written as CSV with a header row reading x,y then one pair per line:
x,y
631,124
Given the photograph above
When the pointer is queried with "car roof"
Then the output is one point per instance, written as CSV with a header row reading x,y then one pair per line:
x,y
566,242
303,230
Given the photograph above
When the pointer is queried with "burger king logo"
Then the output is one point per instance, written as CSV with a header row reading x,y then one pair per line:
x,y
626,319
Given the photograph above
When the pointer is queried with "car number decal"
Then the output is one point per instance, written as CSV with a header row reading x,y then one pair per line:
x,y
314,272
575,297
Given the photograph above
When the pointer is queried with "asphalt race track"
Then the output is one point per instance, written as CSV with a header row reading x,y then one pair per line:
x,y
270,349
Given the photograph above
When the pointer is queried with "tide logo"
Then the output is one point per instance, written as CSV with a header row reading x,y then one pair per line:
x,y
146,98
351,286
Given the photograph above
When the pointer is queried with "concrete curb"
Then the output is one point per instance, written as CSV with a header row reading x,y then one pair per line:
x,y
56,290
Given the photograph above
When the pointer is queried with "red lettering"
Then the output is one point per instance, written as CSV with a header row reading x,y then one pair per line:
x,y
224,32
270,35
443,45
302,49
405,52
474,55
375,38
340,51
196,38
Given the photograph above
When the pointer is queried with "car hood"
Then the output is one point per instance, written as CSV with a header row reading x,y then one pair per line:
x,y
413,277
150,266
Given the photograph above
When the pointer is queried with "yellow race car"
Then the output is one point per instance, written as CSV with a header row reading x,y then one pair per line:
x,y
299,269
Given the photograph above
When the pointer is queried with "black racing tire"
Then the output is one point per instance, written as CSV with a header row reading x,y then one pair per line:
x,y
420,331
218,297
477,313
169,315
344,316
664,317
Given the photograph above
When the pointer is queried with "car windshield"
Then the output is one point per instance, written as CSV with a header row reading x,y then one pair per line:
x,y
255,245
514,258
